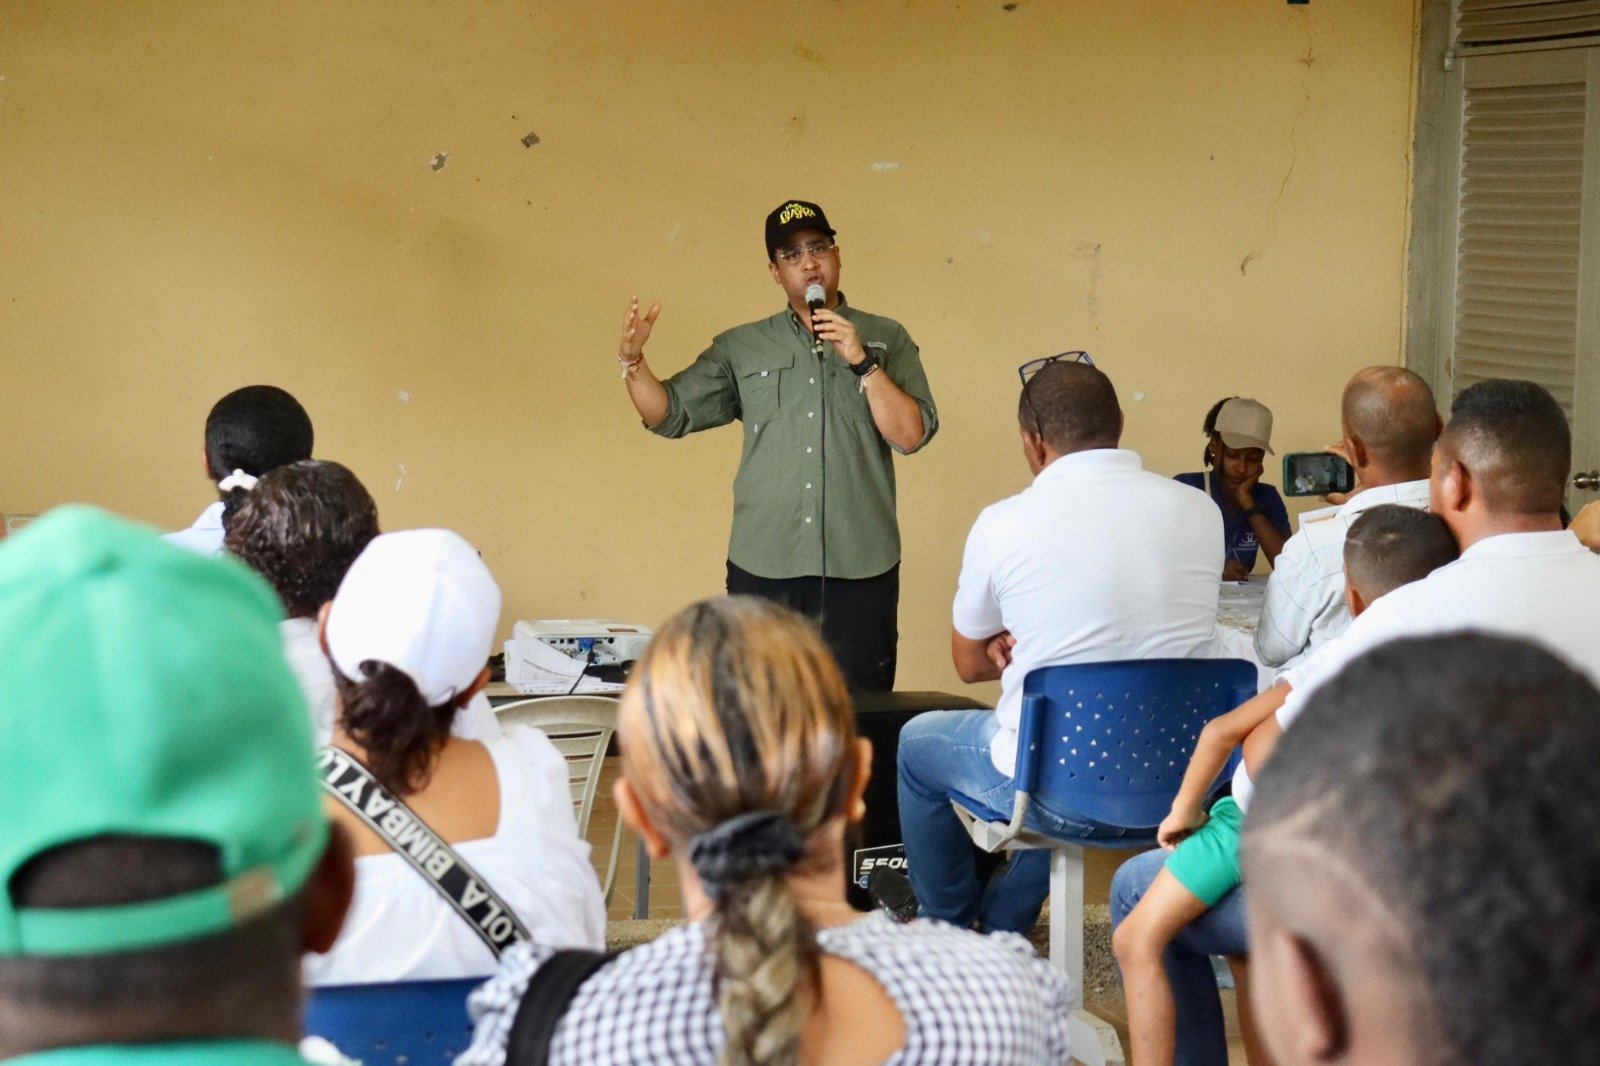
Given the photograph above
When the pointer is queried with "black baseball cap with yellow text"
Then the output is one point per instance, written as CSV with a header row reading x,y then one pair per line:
x,y
791,216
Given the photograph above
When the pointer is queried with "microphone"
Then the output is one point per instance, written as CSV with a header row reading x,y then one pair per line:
x,y
816,297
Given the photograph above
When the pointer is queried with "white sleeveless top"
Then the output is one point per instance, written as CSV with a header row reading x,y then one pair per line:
x,y
401,929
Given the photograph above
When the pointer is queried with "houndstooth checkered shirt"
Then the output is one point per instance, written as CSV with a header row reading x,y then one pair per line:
x,y
964,998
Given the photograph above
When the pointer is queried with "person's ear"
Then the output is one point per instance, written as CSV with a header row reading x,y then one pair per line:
x,y
328,892
1456,487
1032,445
1308,996
855,804
472,689
1122,424
1357,449
322,626
772,265
633,814
1353,599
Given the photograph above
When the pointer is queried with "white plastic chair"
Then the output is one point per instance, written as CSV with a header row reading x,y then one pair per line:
x,y
580,727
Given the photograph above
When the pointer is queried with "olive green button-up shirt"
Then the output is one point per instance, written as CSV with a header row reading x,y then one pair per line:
x,y
796,409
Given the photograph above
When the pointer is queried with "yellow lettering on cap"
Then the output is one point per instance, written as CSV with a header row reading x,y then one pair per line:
x,y
794,211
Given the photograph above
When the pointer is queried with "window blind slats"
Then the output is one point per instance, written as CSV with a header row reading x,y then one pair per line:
x,y
1492,22
1521,210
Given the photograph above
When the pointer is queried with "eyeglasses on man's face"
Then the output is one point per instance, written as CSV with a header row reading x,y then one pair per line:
x,y
815,249
1027,371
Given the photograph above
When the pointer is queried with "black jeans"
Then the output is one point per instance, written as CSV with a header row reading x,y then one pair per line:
x,y
859,618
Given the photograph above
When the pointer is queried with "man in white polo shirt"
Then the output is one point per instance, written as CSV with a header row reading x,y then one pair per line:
x,y
1499,472
1098,559
1389,422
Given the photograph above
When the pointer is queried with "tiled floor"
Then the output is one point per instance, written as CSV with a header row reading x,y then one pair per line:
x,y
665,900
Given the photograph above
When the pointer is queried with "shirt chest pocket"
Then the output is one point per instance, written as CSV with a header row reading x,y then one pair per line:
x,y
758,389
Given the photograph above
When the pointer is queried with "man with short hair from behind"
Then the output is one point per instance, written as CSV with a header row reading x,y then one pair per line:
x,y
165,861
249,432
1422,862
1388,546
1499,472
1389,423
1098,559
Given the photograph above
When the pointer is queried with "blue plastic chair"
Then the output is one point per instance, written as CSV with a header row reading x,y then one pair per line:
x,y
408,1023
1108,742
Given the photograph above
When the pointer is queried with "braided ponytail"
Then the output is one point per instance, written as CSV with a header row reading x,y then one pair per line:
x,y
765,949
738,735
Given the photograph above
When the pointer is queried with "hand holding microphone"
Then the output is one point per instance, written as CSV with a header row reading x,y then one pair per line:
x,y
832,327
816,300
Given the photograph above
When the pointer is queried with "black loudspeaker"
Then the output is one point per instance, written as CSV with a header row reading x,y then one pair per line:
x,y
879,718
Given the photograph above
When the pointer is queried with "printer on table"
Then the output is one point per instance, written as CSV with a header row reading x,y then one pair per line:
x,y
551,655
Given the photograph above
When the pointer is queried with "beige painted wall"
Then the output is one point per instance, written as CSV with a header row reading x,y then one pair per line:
x,y
1210,196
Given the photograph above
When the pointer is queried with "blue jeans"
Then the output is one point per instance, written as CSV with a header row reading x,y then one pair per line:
x,y
948,751
1220,931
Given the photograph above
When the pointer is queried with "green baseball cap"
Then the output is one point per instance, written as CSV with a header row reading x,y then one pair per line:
x,y
143,692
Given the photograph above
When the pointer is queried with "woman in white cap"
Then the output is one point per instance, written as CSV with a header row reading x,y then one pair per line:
x,y
408,635
1238,440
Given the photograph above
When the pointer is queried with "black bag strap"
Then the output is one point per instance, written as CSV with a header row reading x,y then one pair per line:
x,y
545,1003
398,826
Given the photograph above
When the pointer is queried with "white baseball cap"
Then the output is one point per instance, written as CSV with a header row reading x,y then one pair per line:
x,y
422,601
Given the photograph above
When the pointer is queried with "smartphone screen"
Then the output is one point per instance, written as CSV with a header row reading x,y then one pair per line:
x,y
1316,474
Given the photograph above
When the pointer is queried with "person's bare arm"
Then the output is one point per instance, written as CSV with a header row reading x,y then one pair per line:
x,y
1586,526
895,413
1217,741
1268,536
649,396
981,660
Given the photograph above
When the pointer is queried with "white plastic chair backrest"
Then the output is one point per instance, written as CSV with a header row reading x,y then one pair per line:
x,y
580,727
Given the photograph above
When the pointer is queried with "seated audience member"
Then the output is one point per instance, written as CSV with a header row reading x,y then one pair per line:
x,y
408,634
1238,440
740,761
1499,471
1098,559
248,432
1388,546
1586,526
1422,865
300,528
1389,424
164,860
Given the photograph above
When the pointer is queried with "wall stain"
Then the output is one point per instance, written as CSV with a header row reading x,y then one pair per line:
x,y
810,55
1270,227
530,140
1089,252
437,162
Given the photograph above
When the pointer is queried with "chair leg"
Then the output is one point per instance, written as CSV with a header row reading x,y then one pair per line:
x,y
611,864
641,883
1066,915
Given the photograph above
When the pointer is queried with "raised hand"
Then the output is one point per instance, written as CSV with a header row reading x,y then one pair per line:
x,y
636,331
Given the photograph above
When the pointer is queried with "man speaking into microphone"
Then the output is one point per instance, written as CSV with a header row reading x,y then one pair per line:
x,y
824,392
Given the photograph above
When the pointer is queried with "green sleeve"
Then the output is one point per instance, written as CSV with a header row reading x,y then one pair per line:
x,y
700,396
903,364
